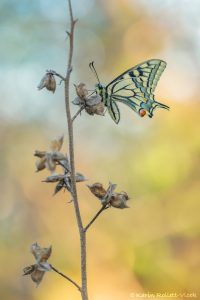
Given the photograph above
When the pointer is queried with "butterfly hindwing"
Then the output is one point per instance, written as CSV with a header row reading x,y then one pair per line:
x,y
114,111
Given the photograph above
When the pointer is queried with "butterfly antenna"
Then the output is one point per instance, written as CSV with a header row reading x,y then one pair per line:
x,y
91,65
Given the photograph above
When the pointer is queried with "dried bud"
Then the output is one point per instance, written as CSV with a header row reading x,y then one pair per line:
x,y
118,200
48,82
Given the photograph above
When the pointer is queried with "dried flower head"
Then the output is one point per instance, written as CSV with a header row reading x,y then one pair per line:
x,y
38,270
64,181
48,81
93,104
40,254
49,159
109,197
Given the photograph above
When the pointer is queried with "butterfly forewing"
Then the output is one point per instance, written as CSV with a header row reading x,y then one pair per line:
x,y
136,85
135,88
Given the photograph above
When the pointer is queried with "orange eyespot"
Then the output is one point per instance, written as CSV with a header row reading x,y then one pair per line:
x,y
142,112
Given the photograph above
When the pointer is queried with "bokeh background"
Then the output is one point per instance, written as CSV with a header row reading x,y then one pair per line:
x,y
151,247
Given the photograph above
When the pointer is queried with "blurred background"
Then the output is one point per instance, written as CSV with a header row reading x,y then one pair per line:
x,y
151,247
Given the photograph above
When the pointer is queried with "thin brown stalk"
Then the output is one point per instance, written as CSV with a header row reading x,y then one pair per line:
x,y
78,113
66,277
95,217
72,160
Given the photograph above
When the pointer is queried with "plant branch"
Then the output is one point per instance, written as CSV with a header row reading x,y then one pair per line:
x,y
69,122
72,160
78,112
66,277
95,217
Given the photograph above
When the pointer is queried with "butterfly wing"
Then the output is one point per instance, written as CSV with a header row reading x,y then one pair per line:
x,y
135,86
114,111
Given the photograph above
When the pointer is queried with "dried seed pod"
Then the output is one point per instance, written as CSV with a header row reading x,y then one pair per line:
x,y
48,82
80,177
59,186
40,164
81,90
45,254
54,178
40,254
118,200
37,276
98,190
106,199
35,250
50,164
97,109
94,100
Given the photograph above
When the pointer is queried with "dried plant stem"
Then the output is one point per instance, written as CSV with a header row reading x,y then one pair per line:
x,y
95,217
78,112
72,161
66,277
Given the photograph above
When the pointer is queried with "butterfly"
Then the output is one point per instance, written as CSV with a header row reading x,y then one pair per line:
x,y
135,88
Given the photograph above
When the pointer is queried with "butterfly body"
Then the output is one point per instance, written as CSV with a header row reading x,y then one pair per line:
x,y
134,88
